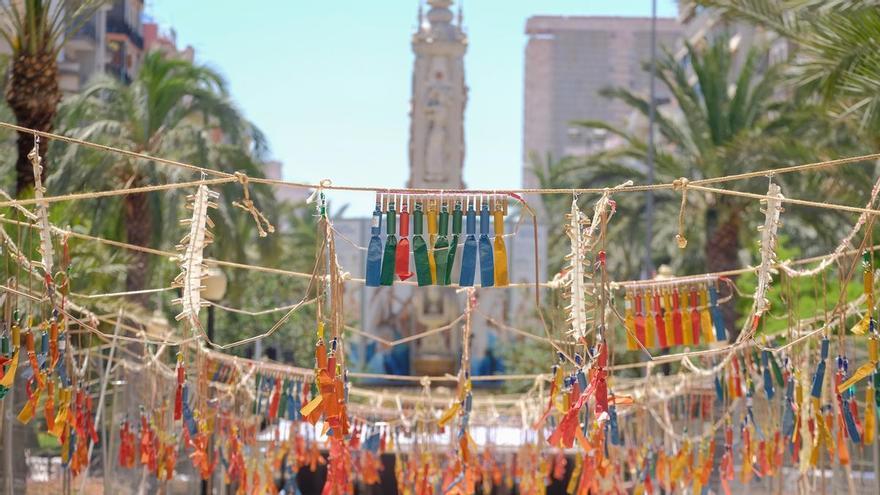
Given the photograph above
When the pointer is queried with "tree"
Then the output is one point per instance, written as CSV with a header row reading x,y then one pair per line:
x,y
36,30
837,43
173,109
722,122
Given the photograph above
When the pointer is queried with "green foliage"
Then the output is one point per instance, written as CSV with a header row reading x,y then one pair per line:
x,y
173,109
798,298
37,26
835,46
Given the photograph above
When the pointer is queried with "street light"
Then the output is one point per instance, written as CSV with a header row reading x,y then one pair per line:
x,y
214,290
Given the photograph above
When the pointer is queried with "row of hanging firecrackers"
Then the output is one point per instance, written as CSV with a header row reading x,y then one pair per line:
x,y
459,478
369,442
279,398
434,257
329,405
664,315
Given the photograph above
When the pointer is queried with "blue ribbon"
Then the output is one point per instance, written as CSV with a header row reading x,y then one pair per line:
x,y
469,255
768,379
819,376
850,423
188,414
374,251
719,390
788,412
372,442
615,432
717,316
487,263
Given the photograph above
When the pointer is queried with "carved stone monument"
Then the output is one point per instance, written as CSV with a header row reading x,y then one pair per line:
x,y
439,96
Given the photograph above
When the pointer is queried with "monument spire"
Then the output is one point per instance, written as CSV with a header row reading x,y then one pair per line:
x,y
439,96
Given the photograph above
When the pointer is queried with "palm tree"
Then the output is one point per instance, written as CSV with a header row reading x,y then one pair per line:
x,y
173,109
837,43
36,31
724,122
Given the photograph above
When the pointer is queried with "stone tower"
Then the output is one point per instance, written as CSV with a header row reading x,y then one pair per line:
x,y
439,96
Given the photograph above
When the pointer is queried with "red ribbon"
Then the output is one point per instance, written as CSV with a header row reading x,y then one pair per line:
x,y
640,319
659,323
401,260
695,318
676,320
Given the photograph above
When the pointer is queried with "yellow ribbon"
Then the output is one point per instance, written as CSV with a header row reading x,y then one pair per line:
x,y
864,370
501,277
630,324
9,377
706,318
61,419
30,407
449,414
686,327
650,325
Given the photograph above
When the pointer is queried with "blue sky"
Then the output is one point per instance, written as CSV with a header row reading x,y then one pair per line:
x,y
329,82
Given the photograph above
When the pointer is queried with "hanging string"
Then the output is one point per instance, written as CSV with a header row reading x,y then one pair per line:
x,y
630,188
681,185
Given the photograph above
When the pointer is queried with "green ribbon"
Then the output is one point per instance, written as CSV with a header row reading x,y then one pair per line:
x,y
441,248
420,248
388,260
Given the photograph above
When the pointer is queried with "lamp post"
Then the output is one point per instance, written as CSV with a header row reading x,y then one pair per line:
x,y
214,291
648,266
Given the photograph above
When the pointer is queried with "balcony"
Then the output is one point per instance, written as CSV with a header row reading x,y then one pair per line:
x,y
119,26
83,39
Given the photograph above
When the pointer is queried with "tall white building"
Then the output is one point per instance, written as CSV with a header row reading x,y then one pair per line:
x,y
568,60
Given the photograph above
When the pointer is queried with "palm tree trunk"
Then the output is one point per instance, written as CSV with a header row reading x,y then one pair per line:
x,y
138,231
723,224
33,95
24,171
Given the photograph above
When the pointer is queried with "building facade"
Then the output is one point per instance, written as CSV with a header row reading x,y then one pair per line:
x,y
112,41
568,61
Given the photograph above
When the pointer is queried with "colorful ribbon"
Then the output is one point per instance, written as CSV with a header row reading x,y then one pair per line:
x,y
374,250
501,273
388,260
420,249
401,264
469,256
441,247
487,265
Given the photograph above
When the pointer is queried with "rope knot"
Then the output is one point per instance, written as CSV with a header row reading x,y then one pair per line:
x,y
680,184
247,204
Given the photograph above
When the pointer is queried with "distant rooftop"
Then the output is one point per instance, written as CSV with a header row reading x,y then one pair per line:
x,y
542,23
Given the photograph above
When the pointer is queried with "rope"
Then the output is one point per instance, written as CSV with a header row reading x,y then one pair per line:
x,y
102,147
247,205
814,204
115,192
